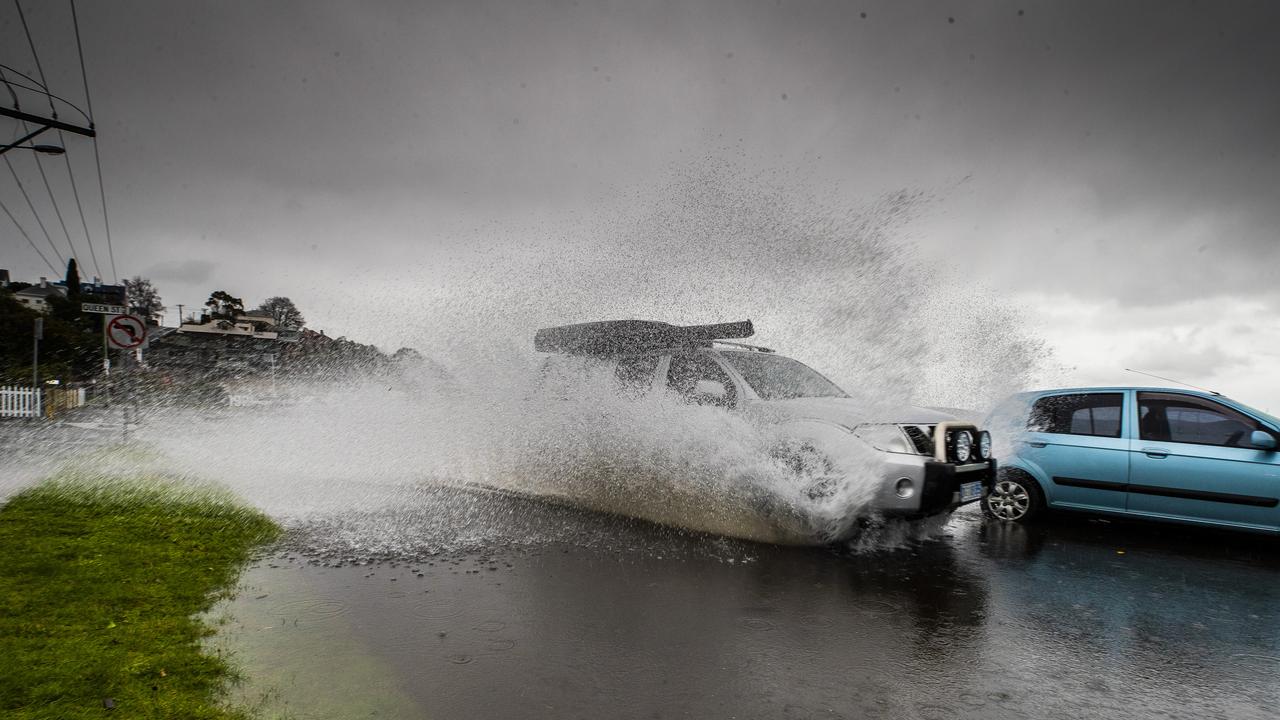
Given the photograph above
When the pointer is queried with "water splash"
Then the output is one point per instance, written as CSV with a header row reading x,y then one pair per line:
x,y
837,287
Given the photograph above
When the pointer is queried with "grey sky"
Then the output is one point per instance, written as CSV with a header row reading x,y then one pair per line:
x,y
1111,154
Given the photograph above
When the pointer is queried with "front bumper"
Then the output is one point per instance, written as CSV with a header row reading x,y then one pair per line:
x,y
942,483
940,487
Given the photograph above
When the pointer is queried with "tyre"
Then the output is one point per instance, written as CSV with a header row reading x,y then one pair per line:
x,y
1016,497
812,468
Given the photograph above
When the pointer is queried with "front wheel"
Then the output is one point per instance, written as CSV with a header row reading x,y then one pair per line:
x,y
1016,497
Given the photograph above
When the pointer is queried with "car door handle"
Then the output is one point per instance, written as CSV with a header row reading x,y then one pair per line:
x,y
1156,452
1037,444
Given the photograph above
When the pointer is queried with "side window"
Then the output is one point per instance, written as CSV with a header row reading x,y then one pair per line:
x,y
688,371
634,374
563,376
1171,417
1096,414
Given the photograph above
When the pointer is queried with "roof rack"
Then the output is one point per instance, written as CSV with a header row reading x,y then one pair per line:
x,y
756,348
614,337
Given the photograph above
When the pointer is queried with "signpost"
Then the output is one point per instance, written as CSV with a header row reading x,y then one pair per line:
x,y
124,332
38,335
104,310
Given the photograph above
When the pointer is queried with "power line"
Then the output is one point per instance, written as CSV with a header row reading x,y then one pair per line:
x,y
9,86
66,155
31,205
18,72
28,237
35,87
76,193
56,210
97,159
107,223
32,43
84,76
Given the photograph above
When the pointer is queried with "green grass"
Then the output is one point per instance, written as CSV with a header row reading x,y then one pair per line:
x,y
100,583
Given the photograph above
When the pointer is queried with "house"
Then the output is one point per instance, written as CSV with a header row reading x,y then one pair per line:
x,y
37,297
114,294
255,327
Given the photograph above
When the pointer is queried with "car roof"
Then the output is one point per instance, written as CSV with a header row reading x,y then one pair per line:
x,y
1119,388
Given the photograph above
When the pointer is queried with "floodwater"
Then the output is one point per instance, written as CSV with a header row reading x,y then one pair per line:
x,y
605,617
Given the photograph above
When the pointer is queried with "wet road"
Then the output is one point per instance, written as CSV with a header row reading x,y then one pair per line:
x,y
1077,618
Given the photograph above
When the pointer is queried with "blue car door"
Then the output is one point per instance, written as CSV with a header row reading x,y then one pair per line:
x,y
1077,442
1191,460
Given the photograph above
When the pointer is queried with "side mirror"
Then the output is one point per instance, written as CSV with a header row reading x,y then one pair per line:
x,y
710,390
1262,440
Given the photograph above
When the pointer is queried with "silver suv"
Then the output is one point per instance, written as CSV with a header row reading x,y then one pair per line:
x,y
929,462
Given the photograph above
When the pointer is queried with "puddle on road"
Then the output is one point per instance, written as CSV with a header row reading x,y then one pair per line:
x,y
301,657
968,625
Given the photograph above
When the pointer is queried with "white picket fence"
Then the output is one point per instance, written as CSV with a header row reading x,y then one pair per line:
x,y
19,402
25,402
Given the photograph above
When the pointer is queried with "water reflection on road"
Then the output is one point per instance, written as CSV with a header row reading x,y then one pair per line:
x,y
1079,618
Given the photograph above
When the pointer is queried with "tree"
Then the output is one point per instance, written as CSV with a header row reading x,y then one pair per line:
x,y
71,348
224,305
281,308
72,279
144,299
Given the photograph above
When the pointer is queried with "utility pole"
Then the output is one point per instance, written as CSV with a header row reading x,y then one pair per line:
x,y
180,306
38,335
42,124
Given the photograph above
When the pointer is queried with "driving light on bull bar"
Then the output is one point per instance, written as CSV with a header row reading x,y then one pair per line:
x,y
962,446
984,445
905,488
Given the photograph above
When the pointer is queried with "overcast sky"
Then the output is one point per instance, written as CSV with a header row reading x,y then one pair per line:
x,y
1111,169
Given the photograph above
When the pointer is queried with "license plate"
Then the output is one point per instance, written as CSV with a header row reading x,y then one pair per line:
x,y
970,491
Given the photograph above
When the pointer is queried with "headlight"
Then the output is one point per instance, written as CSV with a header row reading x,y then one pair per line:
x,y
962,446
984,445
888,438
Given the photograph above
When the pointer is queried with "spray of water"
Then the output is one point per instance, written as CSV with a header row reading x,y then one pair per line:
x,y
836,287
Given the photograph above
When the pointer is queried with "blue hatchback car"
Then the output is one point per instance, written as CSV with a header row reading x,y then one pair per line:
x,y
1159,453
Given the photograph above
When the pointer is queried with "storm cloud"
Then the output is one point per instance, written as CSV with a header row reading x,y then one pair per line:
x,y
1080,155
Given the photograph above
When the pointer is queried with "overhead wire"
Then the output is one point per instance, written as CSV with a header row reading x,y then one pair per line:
x,y
66,155
75,192
36,86
37,89
22,189
9,86
97,159
28,237
32,44
41,86
16,71
57,211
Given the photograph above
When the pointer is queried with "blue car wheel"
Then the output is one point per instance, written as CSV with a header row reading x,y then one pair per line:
x,y
1016,497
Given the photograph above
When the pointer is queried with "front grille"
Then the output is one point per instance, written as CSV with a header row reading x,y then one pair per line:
x,y
921,437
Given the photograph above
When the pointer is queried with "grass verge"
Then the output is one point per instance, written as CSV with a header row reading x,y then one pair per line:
x,y
100,583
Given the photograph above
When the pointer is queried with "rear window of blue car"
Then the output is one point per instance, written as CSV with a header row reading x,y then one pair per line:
x,y
1095,414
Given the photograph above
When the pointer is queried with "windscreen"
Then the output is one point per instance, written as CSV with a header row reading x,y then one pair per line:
x,y
778,378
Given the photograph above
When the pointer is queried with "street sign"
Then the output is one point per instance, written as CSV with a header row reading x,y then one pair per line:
x,y
103,309
126,332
